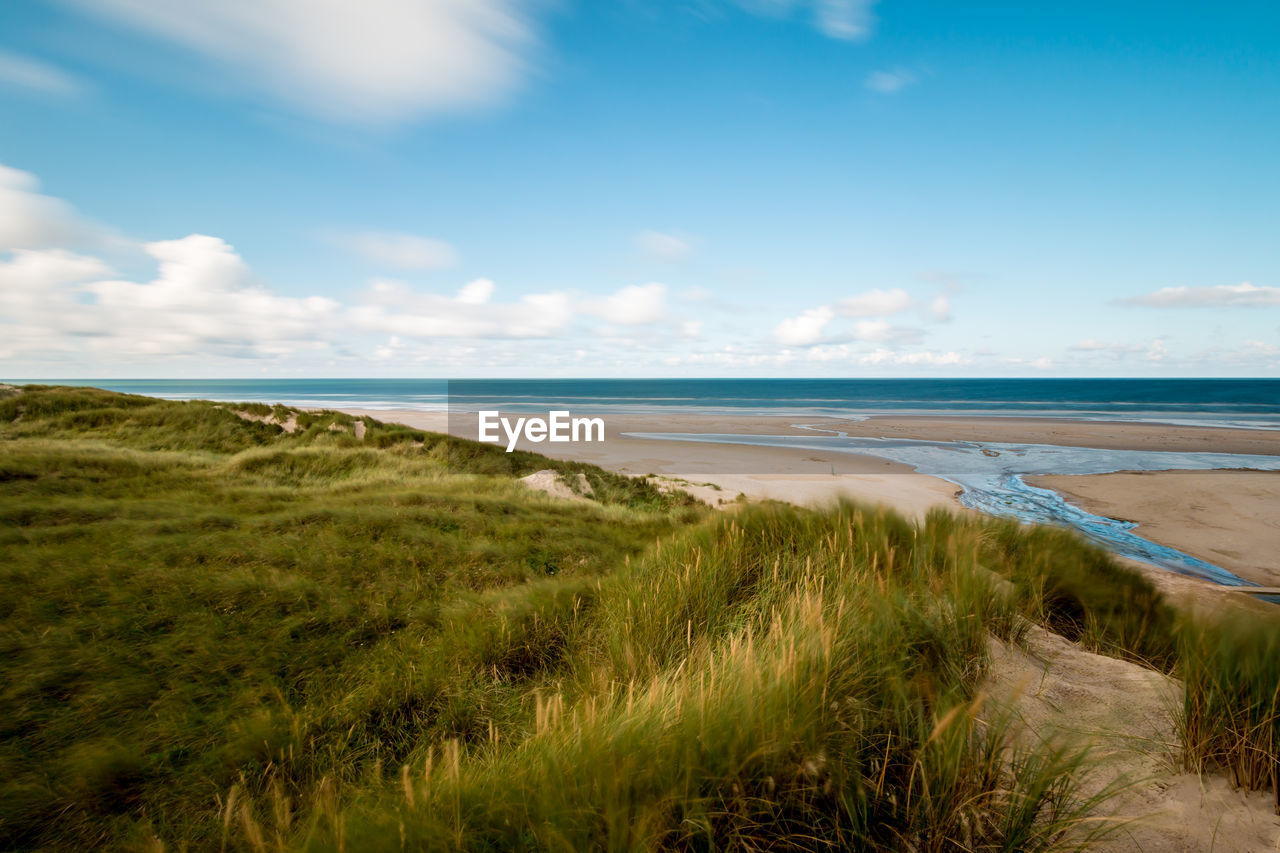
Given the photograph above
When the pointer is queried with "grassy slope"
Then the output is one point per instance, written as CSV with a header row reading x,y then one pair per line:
x,y
216,633
188,595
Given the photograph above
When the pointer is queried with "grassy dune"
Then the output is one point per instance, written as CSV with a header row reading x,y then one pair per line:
x,y
219,635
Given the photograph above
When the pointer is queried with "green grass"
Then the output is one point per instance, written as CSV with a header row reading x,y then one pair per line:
x,y
218,635
188,596
776,678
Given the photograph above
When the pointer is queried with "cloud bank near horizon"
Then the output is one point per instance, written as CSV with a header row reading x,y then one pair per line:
x,y
67,310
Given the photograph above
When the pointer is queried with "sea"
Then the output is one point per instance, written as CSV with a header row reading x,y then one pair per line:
x,y
1241,403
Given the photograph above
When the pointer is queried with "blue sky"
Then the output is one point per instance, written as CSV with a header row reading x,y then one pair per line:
x,y
709,188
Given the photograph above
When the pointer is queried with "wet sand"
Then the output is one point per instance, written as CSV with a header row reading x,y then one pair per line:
x,y
1229,518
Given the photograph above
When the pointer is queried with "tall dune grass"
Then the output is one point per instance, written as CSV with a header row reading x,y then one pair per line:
x,y
779,678
1231,707
189,598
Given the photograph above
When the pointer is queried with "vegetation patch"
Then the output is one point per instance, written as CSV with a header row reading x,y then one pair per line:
x,y
219,634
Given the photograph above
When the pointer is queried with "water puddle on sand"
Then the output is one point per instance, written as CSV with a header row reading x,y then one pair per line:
x,y
990,475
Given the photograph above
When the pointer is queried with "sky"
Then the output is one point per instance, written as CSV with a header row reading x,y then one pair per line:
x,y
454,188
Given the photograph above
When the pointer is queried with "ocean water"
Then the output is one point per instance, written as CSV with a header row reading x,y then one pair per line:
x,y
1251,403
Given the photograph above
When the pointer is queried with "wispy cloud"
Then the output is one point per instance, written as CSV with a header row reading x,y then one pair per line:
x,y
1243,295
849,20
24,72
396,308
1154,350
870,310
400,251
845,19
666,247
31,220
871,303
890,82
374,61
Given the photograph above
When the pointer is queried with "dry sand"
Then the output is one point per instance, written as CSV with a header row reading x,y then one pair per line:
x,y
1126,713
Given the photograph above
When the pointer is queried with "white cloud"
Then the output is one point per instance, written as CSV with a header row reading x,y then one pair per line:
x,y
885,356
881,331
1243,295
805,330
870,309
1039,363
38,310
1261,348
873,303
401,251
203,300
666,247
23,72
392,307
30,220
889,82
377,60
882,356
635,305
476,292
204,303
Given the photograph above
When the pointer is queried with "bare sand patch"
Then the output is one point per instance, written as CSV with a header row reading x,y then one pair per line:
x,y
552,483
289,425
1127,713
